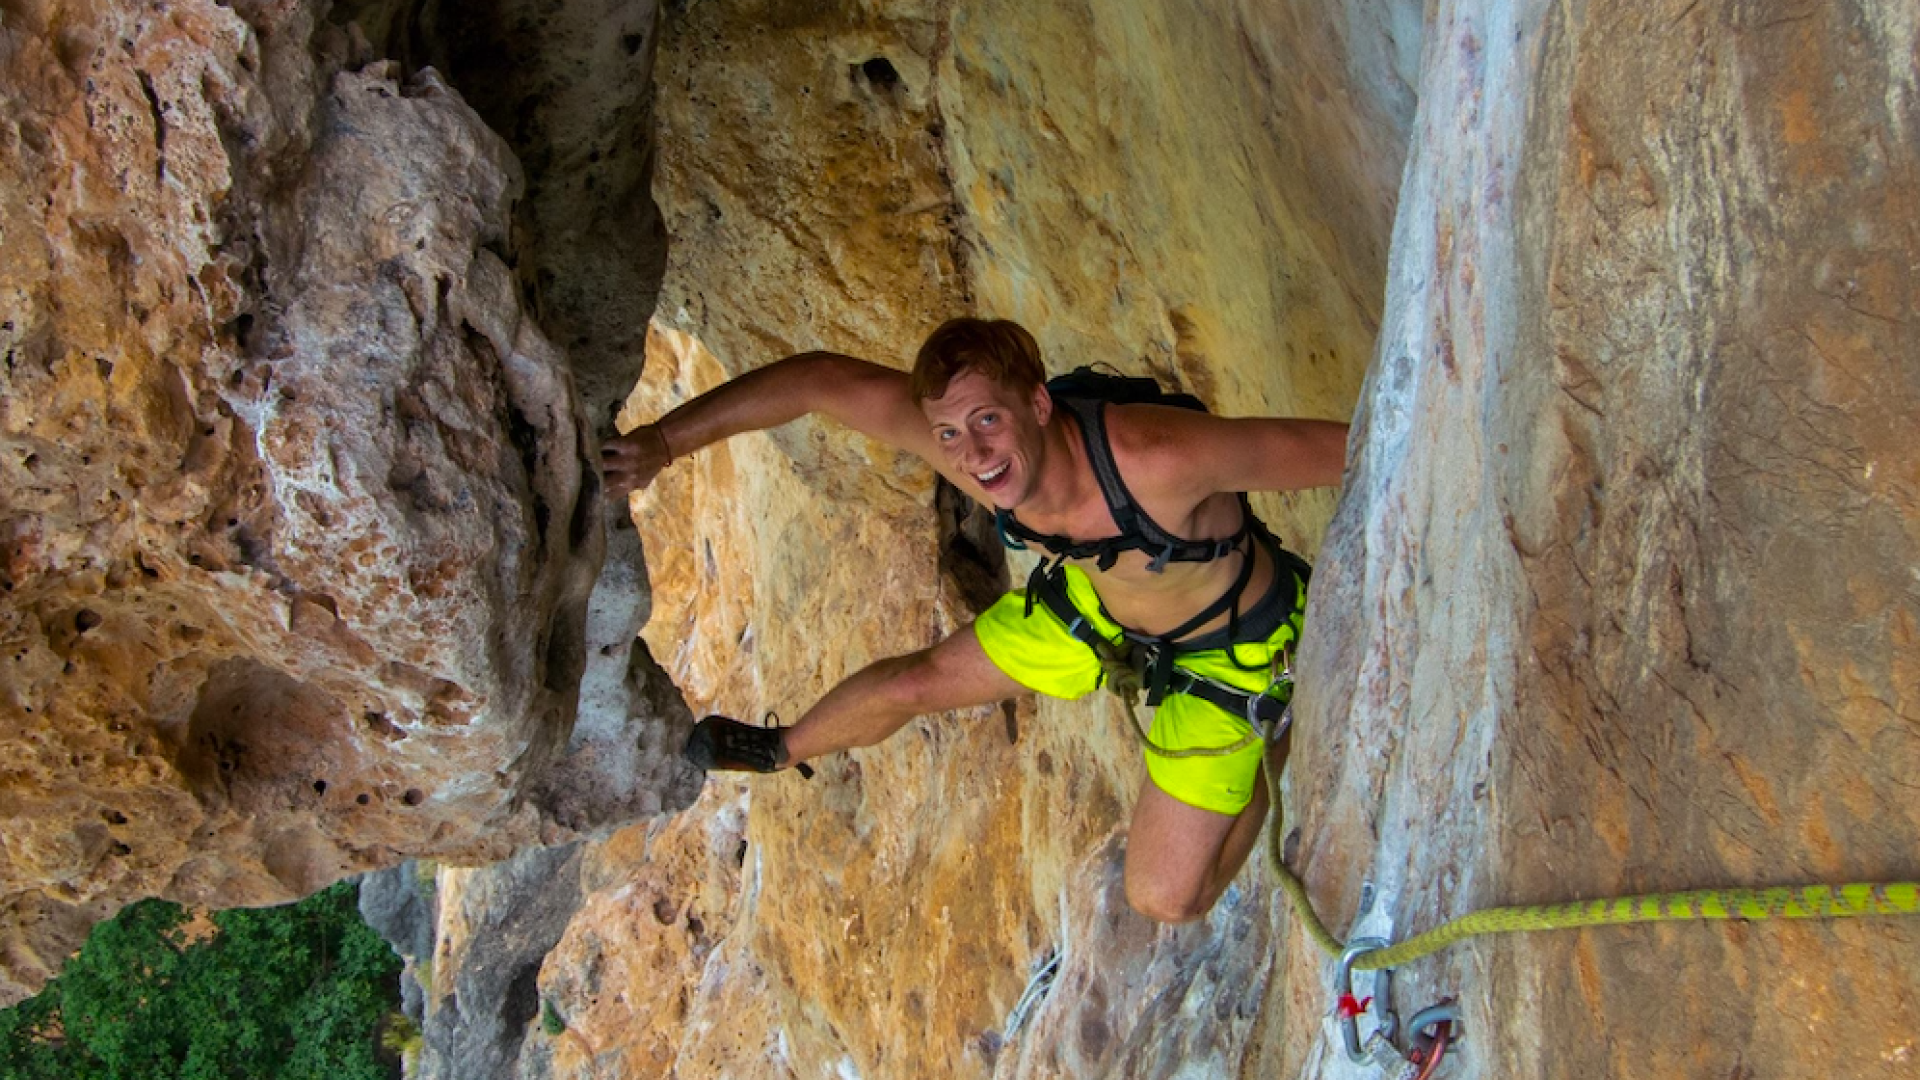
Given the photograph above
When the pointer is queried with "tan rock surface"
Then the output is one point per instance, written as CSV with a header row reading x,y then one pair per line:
x,y
640,957
1621,597
1560,644
895,906
866,883
299,518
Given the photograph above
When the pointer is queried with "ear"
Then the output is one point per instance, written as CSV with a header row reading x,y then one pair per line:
x,y
1042,404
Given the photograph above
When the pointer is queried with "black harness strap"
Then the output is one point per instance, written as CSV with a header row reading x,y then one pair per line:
x,y
1152,655
1161,648
1258,622
1257,708
1137,531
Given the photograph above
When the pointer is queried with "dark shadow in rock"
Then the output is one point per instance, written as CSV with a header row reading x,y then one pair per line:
x,y
971,554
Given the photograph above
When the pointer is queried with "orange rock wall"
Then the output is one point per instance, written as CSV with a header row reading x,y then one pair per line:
x,y
1620,595
845,181
299,513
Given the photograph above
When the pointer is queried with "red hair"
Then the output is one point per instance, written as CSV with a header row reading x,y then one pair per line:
x,y
1001,350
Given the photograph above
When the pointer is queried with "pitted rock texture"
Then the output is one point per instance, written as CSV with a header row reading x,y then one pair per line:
x,y
1618,599
300,509
570,89
1621,596
637,974
825,180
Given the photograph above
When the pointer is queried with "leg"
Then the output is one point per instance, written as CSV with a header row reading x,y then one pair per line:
x,y
1180,858
1199,816
880,698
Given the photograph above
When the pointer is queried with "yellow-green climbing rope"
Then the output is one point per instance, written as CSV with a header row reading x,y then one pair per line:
x,y
1797,902
1855,900
1124,681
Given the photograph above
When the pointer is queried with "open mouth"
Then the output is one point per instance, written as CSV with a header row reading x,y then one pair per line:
x,y
988,479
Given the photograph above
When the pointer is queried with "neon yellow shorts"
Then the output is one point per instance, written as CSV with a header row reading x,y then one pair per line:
x,y
1040,654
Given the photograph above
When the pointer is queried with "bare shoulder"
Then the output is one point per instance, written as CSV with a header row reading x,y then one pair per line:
x,y
1181,453
1160,448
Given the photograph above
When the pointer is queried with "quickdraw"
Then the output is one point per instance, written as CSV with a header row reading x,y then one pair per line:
x,y
1436,1028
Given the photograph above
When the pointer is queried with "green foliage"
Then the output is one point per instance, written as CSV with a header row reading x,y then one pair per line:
x,y
402,1035
426,873
289,993
551,1021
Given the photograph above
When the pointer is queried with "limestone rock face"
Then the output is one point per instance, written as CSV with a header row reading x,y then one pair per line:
x,y
1620,598
299,509
846,180
569,88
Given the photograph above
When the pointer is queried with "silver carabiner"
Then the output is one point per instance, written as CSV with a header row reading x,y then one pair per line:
x,y
1381,1005
1282,666
1281,670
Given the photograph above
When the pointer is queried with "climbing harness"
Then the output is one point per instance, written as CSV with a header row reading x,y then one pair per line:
x,y
1137,531
1140,663
1266,712
1086,392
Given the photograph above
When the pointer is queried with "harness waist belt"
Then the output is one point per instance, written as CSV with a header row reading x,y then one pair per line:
x,y
1152,655
1258,707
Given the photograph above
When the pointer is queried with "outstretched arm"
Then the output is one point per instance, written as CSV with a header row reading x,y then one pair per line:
x,y
1174,451
1279,454
867,397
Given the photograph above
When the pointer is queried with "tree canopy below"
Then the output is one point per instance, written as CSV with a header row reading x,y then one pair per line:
x,y
298,992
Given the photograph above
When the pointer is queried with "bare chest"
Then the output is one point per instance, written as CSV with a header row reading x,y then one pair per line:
x,y
1158,601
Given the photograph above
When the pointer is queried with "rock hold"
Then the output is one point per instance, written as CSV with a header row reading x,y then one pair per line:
x,y
302,510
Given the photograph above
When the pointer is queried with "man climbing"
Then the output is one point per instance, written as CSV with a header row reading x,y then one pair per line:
x,y
1155,569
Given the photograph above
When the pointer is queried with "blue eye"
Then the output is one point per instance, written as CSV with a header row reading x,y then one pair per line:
x,y
989,419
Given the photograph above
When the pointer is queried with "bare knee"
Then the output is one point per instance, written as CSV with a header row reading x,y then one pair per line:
x,y
1164,901
1171,910
913,683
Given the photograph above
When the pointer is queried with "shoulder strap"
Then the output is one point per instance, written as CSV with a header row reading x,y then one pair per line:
x,y
1127,517
1137,531
1141,532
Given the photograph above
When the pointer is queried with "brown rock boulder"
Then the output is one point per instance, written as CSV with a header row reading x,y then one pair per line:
x,y
300,514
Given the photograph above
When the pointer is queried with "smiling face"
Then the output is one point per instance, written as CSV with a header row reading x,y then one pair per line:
x,y
992,433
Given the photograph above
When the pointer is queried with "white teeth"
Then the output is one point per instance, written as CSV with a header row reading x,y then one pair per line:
x,y
988,478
